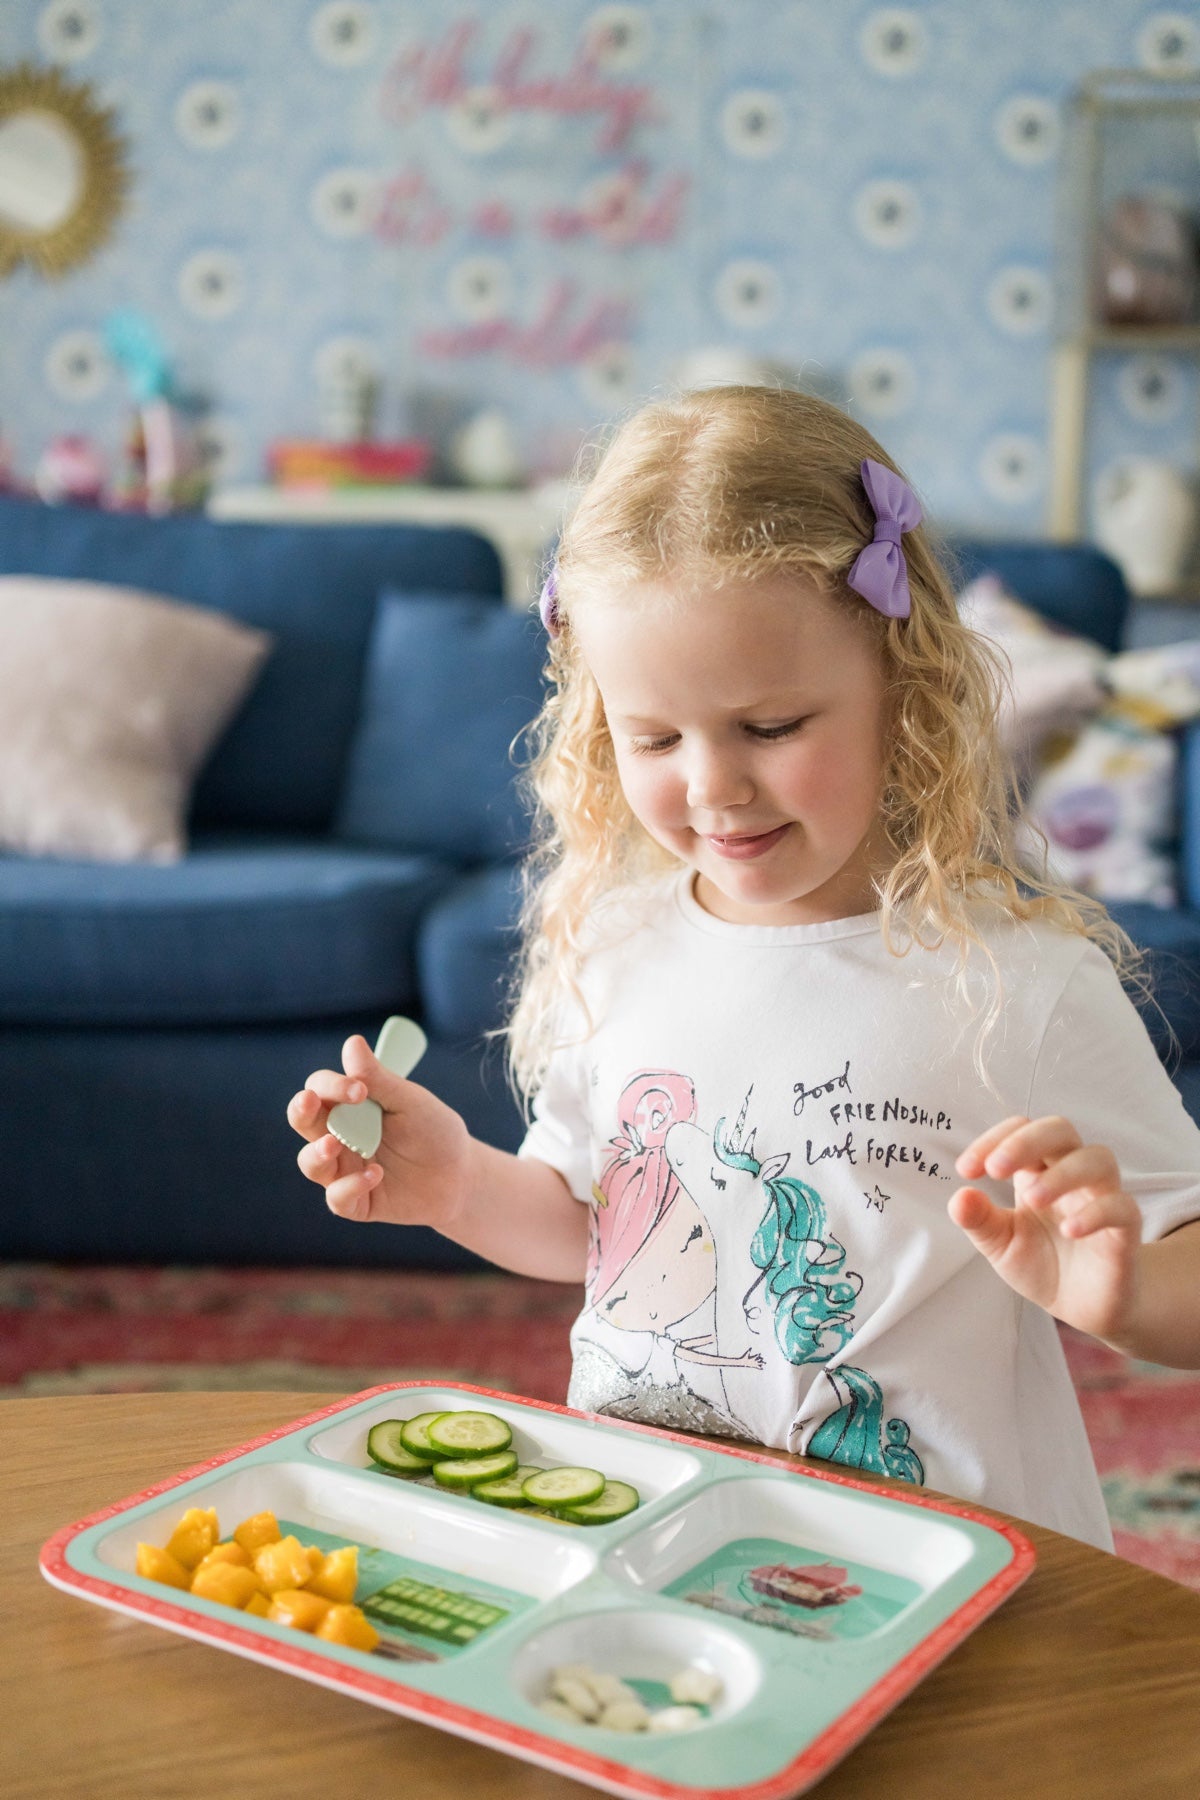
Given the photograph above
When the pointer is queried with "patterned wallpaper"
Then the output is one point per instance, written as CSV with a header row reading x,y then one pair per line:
x,y
546,208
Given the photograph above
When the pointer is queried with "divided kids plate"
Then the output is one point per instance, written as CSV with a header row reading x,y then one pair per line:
x,y
818,1600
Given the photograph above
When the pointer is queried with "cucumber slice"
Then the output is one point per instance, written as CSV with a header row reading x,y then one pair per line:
x,y
384,1446
507,1490
566,1486
617,1499
468,1434
414,1437
467,1471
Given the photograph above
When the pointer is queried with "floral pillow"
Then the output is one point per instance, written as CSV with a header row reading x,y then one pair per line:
x,y
1094,739
1105,798
1105,804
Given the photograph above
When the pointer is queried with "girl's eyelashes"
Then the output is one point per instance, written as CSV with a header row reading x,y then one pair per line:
x,y
767,734
772,733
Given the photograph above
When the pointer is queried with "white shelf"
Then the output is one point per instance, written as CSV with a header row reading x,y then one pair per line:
x,y
1127,96
520,523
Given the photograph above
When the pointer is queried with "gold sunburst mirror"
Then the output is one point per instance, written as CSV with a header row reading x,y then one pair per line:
x,y
63,170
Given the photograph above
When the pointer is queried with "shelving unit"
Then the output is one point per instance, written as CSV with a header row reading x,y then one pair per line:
x,y
1105,102
519,522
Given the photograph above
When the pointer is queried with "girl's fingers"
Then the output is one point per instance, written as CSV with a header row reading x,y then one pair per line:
x,y
990,1228
358,1058
1032,1145
307,1114
350,1196
971,1161
1091,1167
320,1159
1111,1210
325,1088
333,1088
1017,1143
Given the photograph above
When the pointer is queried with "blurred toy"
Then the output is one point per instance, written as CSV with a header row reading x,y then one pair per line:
x,y
161,470
349,398
484,452
70,470
311,463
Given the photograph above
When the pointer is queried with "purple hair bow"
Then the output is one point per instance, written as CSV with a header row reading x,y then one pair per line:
x,y
548,602
880,573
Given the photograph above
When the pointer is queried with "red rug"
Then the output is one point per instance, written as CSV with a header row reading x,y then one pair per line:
x,y
112,1330
67,1330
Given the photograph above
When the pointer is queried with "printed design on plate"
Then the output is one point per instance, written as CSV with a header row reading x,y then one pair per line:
x,y
708,1267
788,1588
419,1617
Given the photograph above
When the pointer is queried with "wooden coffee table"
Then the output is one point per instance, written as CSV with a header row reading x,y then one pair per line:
x,y
1085,1684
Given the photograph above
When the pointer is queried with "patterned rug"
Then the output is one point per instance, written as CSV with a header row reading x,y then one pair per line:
x,y
66,1330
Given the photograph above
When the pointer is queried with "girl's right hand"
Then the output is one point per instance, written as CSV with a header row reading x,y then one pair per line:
x,y
421,1173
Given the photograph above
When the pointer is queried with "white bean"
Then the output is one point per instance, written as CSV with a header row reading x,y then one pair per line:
x,y
576,1693
609,1689
558,1709
625,1715
676,1718
700,1687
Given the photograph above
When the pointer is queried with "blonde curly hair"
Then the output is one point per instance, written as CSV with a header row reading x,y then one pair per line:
x,y
738,483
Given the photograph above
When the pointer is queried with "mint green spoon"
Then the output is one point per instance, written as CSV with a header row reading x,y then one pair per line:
x,y
400,1048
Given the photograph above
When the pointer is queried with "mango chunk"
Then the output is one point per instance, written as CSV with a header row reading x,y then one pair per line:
x,y
348,1625
194,1536
260,1572
262,1528
292,1606
283,1565
338,1576
154,1564
225,1553
225,1583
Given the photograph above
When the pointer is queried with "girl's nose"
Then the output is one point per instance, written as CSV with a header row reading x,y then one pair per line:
x,y
716,780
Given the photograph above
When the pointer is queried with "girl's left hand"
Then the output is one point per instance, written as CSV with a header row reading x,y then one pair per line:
x,y
1070,1242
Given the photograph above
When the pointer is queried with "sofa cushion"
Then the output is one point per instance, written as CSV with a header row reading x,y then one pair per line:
x,y
1171,939
245,929
466,945
1076,585
110,700
449,685
313,587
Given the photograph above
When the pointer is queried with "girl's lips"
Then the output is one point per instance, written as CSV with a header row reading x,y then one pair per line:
x,y
742,849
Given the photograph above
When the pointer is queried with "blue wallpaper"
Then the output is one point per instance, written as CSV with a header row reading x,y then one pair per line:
x,y
547,208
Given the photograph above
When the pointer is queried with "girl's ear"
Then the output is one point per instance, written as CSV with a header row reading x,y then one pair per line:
x,y
774,1166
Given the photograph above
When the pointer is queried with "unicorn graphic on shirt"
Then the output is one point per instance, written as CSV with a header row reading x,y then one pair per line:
x,y
785,1277
790,1277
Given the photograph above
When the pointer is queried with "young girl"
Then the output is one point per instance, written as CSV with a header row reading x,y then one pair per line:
x,y
787,985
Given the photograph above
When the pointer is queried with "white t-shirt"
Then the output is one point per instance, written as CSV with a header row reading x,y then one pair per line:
x,y
764,1121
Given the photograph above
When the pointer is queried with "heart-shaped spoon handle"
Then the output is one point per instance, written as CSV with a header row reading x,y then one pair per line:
x,y
400,1046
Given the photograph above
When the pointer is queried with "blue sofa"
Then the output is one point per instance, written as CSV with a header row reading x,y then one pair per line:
x,y
353,852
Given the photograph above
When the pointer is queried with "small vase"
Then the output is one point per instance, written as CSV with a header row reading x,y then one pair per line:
x,y
1145,512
